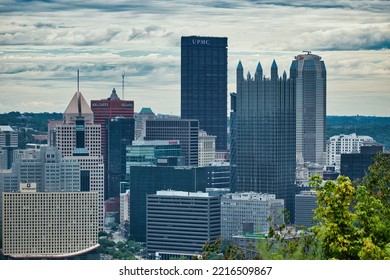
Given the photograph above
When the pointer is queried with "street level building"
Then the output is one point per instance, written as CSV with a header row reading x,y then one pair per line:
x,y
181,222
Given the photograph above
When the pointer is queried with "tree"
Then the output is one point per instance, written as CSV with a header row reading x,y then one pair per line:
x,y
354,222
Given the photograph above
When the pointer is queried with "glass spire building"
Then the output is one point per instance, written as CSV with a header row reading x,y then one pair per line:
x,y
263,136
204,85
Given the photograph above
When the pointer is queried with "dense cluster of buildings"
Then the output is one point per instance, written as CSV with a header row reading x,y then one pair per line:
x,y
176,182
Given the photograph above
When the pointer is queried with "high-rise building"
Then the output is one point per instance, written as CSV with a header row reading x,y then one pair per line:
x,y
8,183
186,131
180,222
140,122
344,144
238,209
78,138
8,143
110,108
204,84
309,73
206,148
305,204
263,148
146,180
119,133
49,224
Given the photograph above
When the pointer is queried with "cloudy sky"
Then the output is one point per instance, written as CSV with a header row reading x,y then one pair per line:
x,y
43,43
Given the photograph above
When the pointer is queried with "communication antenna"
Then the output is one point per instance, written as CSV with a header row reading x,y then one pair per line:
x,y
123,85
308,52
78,92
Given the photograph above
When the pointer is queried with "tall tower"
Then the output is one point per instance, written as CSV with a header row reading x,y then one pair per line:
x,y
309,73
110,108
204,85
264,135
78,138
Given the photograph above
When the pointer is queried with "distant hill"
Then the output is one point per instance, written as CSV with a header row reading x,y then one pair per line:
x,y
376,127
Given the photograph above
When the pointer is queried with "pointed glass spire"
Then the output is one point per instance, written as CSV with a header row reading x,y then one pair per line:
x,y
274,70
248,76
284,75
239,66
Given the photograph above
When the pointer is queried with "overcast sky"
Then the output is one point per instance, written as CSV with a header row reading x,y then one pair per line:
x,y
43,43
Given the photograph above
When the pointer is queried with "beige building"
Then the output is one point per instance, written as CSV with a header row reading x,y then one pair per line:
x,y
206,148
49,225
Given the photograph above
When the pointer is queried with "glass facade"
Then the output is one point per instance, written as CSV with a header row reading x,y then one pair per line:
x,y
204,84
119,134
264,135
147,180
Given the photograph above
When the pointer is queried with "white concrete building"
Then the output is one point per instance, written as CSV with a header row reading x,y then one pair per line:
x,y
344,144
206,150
239,209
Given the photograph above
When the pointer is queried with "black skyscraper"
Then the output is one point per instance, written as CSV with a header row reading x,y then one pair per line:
x,y
204,84
119,133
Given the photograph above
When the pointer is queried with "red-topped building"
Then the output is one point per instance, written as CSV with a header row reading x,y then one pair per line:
x,y
110,108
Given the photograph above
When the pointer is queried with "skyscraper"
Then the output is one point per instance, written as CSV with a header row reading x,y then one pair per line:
x,y
309,74
110,108
78,138
264,135
119,133
204,84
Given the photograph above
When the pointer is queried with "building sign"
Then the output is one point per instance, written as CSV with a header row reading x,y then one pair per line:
x,y
127,105
200,41
28,187
105,104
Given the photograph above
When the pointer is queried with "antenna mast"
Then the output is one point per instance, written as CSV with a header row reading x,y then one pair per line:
x,y
78,92
123,85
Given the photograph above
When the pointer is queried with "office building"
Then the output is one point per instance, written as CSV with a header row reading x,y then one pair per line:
x,y
186,131
78,138
305,204
8,183
204,84
344,144
263,147
181,222
239,209
8,143
49,224
355,165
140,122
107,109
146,180
206,148
119,133
309,74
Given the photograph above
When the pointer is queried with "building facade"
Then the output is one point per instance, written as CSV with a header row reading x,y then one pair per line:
x,y
305,204
263,148
344,144
49,224
107,109
146,180
204,84
8,143
78,138
181,222
186,131
238,209
119,134
309,74
206,148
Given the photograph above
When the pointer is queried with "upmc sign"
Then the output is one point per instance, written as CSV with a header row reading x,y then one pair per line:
x,y
200,42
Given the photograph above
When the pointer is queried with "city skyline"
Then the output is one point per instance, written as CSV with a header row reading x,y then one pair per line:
x,y
45,42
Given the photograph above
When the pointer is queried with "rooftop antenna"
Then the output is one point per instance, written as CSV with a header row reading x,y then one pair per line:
x,y
308,52
78,92
123,85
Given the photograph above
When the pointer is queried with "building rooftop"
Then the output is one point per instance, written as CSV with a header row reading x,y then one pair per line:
x,y
6,128
183,194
